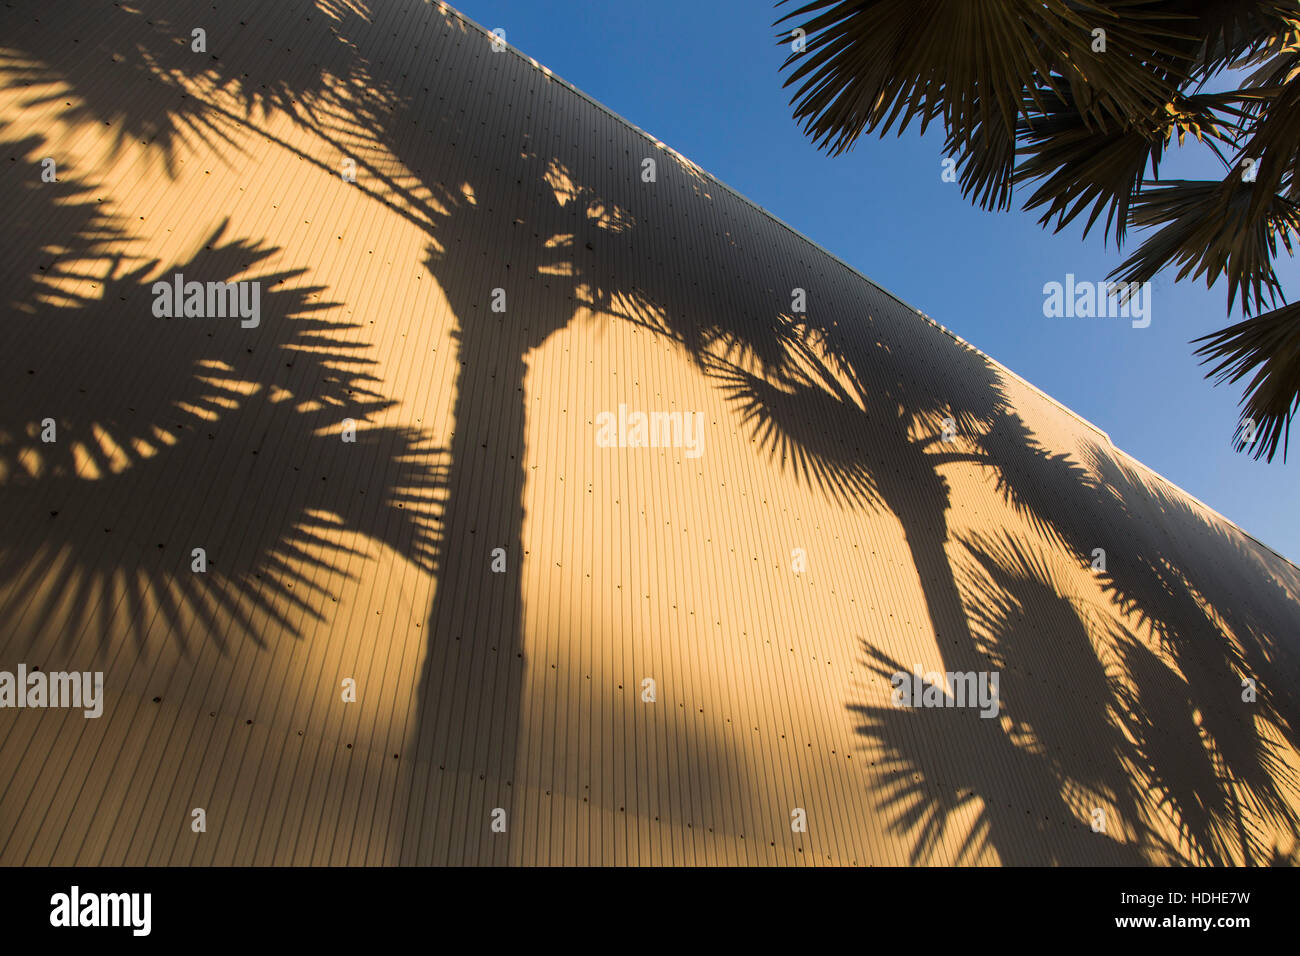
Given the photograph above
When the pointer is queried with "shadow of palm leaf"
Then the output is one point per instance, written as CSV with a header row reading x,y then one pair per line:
x,y
140,75
797,402
274,541
50,269
201,368
851,423
65,73
199,434
1192,789
1057,658
1175,584
1217,639
956,787
1028,784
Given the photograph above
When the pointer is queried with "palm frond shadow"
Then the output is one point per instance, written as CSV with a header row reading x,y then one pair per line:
x,y
1025,622
55,269
1209,641
140,75
956,787
1173,582
791,415
775,411
1217,638
1028,786
192,433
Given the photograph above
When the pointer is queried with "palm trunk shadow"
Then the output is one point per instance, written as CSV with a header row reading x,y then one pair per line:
x,y
921,508
467,723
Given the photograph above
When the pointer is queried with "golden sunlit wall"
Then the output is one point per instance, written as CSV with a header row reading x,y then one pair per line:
x,y
528,497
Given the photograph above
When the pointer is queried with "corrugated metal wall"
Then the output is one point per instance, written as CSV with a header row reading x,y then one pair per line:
x,y
769,575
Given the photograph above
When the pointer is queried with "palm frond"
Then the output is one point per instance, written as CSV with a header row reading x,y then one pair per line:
x,y
1268,345
986,162
869,65
1234,31
1081,100
1275,110
1213,229
1078,165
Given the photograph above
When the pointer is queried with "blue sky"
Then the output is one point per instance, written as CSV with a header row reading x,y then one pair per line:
x,y
704,78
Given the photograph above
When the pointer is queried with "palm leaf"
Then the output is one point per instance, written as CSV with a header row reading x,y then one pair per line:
x,y
869,65
1080,166
1275,111
986,162
1212,229
1234,30
1268,345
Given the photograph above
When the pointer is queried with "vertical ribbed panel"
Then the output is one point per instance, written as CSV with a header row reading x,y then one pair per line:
x,y
1121,690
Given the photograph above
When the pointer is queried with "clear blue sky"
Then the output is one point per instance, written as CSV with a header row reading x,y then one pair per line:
x,y
703,78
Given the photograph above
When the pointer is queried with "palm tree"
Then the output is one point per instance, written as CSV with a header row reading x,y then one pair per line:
x,y
1081,98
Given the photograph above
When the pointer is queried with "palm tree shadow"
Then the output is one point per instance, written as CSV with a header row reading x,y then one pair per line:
x,y
1212,641
503,258
539,244
1211,759
840,404
804,416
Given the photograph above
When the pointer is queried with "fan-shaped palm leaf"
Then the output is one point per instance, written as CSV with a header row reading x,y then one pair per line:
x,y
1211,228
868,65
1268,345
1080,166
